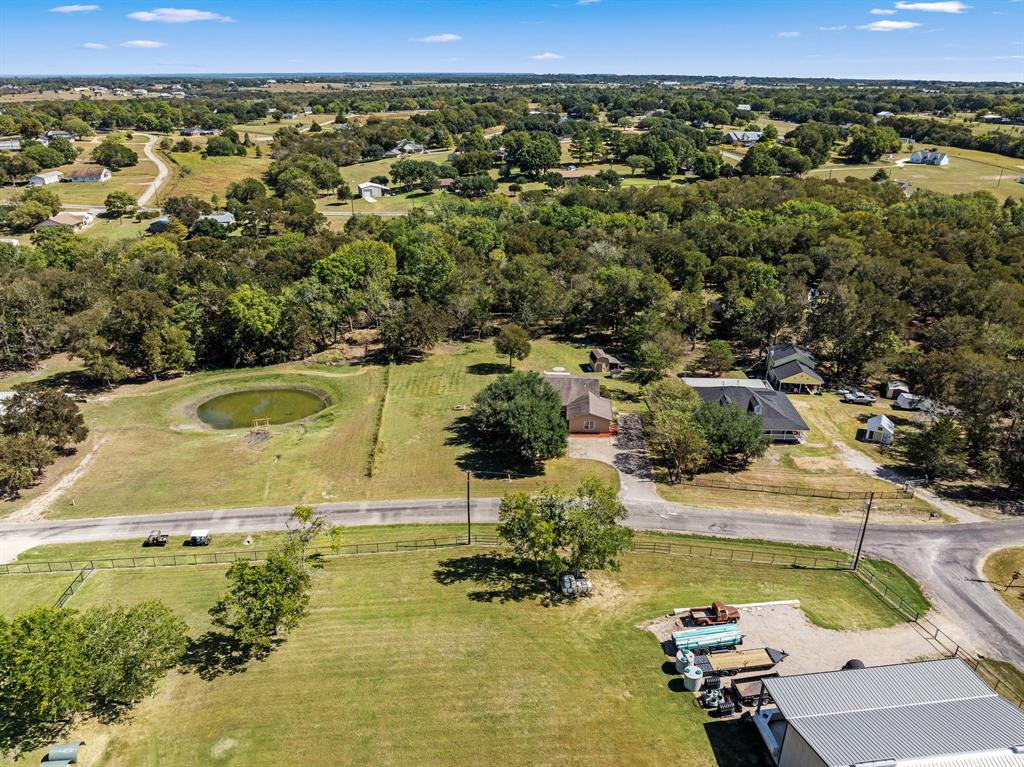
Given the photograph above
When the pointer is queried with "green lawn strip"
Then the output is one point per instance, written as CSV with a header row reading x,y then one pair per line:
x,y
399,667
30,591
1007,678
192,173
999,568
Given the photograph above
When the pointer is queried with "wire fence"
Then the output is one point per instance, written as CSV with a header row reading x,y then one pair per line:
x,y
76,584
809,492
746,555
949,646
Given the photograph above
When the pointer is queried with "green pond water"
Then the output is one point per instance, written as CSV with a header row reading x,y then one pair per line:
x,y
238,409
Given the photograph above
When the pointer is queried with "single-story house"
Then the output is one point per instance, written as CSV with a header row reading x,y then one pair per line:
x,y
405,146
91,173
67,220
307,110
743,108
47,177
197,131
922,157
744,137
893,389
585,410
369,190
879,429
158,225
60,134
602,362
140,92
908,401
933,713
288,116
10,144
791,367
226,218
752,395
885,113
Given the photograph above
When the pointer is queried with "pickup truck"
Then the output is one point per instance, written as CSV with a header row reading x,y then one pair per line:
x,y
716,614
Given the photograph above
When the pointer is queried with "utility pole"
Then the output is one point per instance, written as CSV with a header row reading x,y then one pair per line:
x,y
864,528
469,518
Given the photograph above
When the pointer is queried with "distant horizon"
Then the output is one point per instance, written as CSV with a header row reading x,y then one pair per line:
x,y
918,40
552,76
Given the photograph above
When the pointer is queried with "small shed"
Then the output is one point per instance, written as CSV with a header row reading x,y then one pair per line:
x,y
907,401
602,362
47,177
369,190
893,389
880,430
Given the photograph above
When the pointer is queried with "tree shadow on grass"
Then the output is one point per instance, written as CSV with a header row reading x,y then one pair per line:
x,y
501,578
481,458
215,654
488,369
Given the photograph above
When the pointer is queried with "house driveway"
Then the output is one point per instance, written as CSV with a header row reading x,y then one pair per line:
x,y
626,452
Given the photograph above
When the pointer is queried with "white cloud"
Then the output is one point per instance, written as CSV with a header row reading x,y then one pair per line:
x,y
447,37
882,11
547,57
587,2
74,8
889,26
789,34
142,44
177,15
949,6
94,46
837,28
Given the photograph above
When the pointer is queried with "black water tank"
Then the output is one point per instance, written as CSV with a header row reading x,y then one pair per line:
x,y
852,664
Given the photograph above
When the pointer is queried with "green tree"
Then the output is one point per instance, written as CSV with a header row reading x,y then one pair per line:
x,y
639,161
129,650
513,341
409,326
253,316
113,154
758,161
23,457
655,356
690,316
520,415
678,443
717,357
867,144
706,165
120,204
47,413
938,450
732,435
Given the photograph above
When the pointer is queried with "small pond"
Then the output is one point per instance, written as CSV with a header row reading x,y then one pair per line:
x,y
239,409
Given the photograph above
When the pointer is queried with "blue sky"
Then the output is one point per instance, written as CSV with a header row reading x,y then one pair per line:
x,y
941,39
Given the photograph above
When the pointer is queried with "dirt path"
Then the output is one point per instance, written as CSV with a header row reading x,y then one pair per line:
x,y
161,175
858,461
36,508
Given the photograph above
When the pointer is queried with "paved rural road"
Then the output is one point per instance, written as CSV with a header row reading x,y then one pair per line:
x,y
944,558
161,171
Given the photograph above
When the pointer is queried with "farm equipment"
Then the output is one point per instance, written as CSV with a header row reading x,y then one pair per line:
x,y
743,661
717,614
155,538
746,691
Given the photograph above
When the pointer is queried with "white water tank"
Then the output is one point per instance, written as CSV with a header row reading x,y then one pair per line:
x,y
692,678
684,660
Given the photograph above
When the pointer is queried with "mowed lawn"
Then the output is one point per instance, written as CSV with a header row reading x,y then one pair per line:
x,y
815,465
427,658
191,173
153,454
999,569
969,170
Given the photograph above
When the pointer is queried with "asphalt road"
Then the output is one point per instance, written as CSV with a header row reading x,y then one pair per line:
x,y
945,559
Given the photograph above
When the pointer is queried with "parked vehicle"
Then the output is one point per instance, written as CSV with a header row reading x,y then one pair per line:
x,y
716,614
155,538
198,538
747,691
859,398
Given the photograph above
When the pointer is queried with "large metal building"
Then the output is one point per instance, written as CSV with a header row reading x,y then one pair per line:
x,y
927,714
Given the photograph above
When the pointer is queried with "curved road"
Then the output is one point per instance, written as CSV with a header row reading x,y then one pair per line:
x,y
161,171
945,559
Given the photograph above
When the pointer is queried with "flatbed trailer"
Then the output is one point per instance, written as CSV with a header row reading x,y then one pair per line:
x,y
747,690
741,661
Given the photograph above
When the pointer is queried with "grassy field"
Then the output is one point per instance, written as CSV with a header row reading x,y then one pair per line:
x,y
153,455
191,173
266,127
999,569
440,658
815,464
968,171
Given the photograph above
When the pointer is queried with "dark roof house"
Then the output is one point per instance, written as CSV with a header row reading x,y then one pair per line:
x,y
782,423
